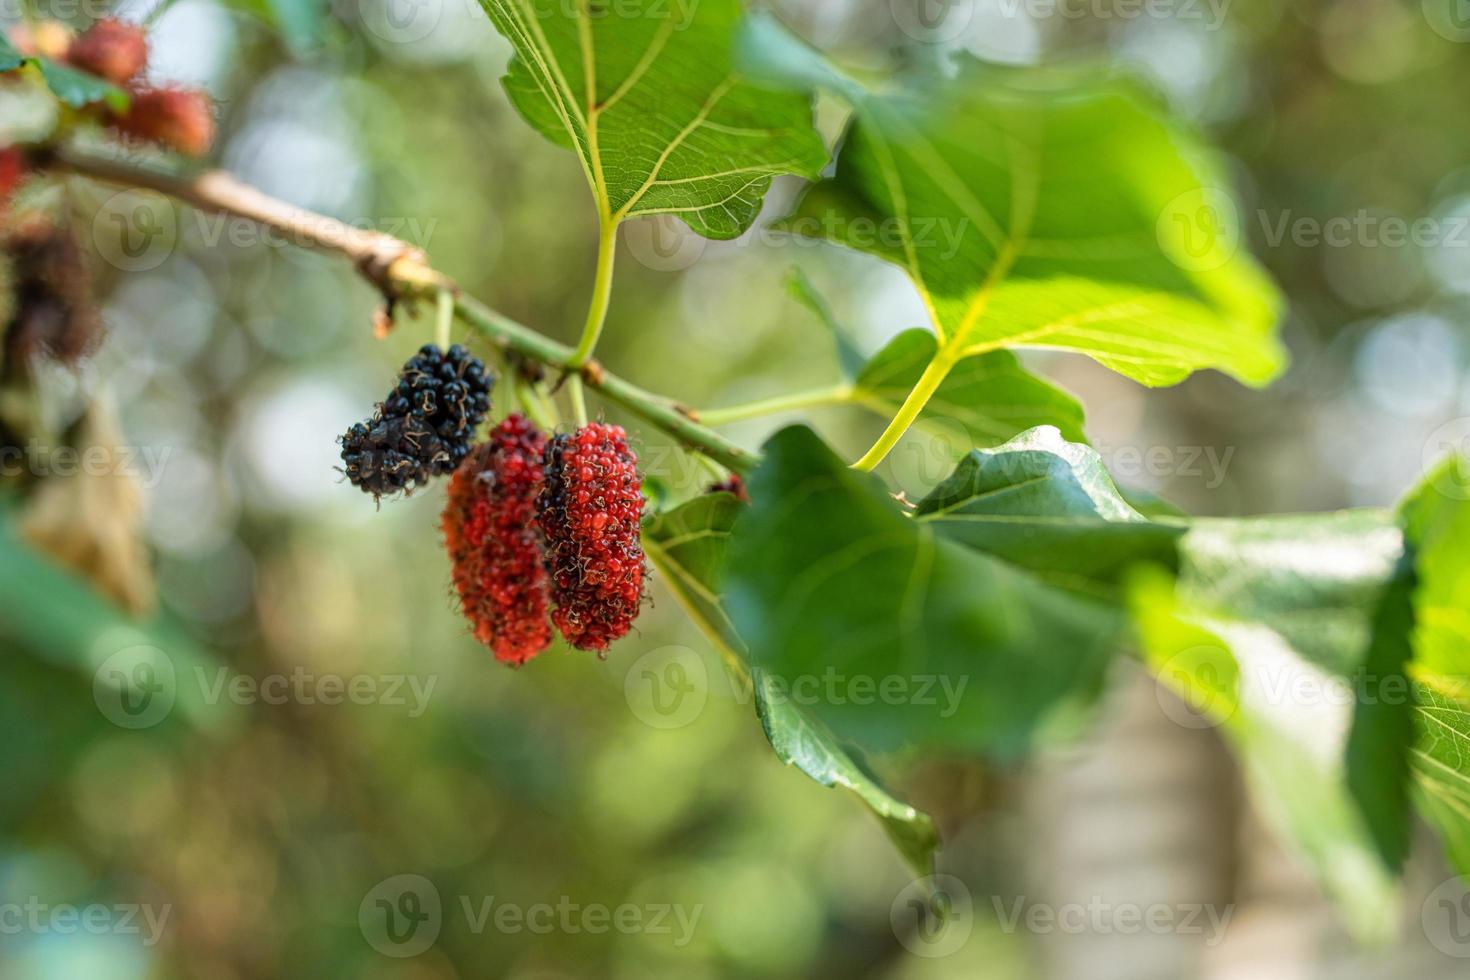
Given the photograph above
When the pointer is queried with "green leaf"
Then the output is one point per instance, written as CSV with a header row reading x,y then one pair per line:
x,y
1235,614
647,95
802,741
913,639
1232,673
1049,506
1039,208
58,617
991,396
1437,525
687,546
79,89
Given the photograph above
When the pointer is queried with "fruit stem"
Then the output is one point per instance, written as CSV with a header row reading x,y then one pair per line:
x,y
607,249
444,319
579,400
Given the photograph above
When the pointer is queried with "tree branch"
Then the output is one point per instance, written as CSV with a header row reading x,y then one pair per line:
x,y
399,271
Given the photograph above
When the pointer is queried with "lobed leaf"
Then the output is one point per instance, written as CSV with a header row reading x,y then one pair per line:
x,y
1039,208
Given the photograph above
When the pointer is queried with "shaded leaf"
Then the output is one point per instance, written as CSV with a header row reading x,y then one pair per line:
x,y
687,546
992,396
928,642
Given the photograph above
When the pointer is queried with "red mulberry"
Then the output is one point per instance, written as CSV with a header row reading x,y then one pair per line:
x,y
111,49
424,427
494,545
590,512
176,118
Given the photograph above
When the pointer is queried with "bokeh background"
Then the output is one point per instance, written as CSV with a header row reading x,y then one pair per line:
x,y
262,835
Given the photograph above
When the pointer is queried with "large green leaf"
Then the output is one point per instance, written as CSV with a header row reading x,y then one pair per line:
x,y
1039,208
687,546
1268,626
646,93
992,397
910,638
1437,524
1233,673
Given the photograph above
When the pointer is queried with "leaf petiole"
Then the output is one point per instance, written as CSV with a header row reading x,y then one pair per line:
x,y
834,395
601,294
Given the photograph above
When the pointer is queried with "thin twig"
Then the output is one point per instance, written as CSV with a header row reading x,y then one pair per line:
x,y
399,271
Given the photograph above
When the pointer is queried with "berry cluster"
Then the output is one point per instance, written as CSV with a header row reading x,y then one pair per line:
x,y
590,512
494,546
424,427
116,51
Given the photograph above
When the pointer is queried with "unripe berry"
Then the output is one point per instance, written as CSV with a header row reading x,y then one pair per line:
x,y
111,49
591,511
732,484
180,119
495,545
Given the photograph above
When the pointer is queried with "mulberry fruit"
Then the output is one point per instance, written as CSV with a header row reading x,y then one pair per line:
x,y
179,119
494,544
110,49
424,427
591,507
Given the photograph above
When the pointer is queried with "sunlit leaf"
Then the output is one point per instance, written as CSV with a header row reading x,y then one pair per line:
x,y
1038,208
646,93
